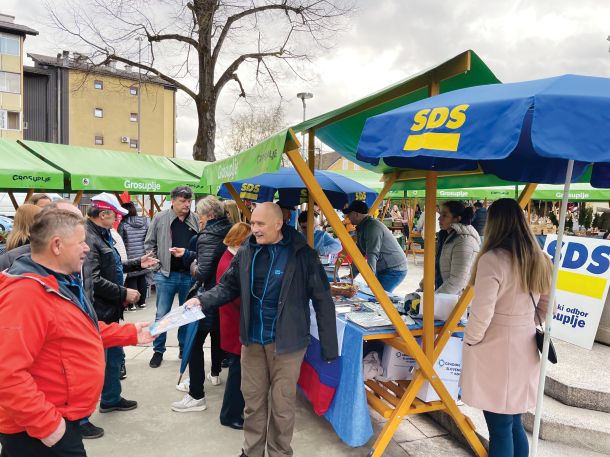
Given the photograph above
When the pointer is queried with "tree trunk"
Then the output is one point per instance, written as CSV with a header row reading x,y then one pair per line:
x,y
203,149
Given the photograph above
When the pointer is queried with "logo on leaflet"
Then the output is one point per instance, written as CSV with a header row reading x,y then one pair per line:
x,y
434,118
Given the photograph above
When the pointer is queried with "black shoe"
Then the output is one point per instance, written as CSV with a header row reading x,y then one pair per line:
x,y
131,308
122,405
156,360
234,425
180,354
90,431
123,372
142,306
243,454
225,363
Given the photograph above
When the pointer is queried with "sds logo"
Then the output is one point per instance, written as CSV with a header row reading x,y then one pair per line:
x,y
434,118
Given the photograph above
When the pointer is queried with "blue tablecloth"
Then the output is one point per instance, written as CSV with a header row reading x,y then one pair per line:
x,y
349,412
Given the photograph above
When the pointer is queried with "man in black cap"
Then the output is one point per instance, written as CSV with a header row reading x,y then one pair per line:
x,y
287,212
384,255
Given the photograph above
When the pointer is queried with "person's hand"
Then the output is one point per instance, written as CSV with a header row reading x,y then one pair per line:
x,y
177,252
148,261
54,437
144,336
132,296
192,302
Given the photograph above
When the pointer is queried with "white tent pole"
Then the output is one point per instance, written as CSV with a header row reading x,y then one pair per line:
x,y
549,313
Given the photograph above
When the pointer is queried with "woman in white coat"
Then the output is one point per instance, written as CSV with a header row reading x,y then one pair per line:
x,y
501,362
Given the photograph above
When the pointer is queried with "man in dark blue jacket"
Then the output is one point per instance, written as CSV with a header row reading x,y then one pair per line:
x,y
276,274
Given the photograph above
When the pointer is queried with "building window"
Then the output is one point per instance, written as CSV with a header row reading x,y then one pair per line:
x,y
10,120
133,117
10,82
133,144
133,90
99,85
99,112
99,140
10,45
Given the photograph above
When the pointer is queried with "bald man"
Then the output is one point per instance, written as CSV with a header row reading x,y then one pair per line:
x,y
276,274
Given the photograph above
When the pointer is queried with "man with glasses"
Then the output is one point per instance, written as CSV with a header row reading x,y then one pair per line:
x,y
171,228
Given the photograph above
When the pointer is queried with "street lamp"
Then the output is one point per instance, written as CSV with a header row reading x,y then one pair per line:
x,y
304,96
139,40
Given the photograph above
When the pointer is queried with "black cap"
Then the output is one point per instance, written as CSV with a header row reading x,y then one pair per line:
x,y
357,206
283,205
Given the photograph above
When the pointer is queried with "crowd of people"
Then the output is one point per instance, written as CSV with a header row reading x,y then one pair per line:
x,y
254,283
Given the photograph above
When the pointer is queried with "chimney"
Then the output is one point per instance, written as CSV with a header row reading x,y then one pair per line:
x,y
65,54
7,18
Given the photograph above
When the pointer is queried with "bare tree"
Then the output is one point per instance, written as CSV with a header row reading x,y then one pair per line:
x,y
253,126
199,45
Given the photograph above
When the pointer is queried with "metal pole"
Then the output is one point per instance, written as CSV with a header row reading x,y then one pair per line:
x,y
549,313
139,92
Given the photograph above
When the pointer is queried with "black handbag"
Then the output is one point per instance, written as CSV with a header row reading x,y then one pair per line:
x,y
540,336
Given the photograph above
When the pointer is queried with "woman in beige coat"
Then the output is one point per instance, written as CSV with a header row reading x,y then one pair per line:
x,y
501,361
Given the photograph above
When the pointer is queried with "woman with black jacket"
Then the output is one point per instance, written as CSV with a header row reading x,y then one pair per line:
x,y
133,230
209,250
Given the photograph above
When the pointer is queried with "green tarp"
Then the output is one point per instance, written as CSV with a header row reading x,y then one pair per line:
x,y
195,168
262,158
96,170
21,170
343,135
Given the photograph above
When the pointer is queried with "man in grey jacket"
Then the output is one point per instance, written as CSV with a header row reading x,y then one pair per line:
x,y
384,255
171,228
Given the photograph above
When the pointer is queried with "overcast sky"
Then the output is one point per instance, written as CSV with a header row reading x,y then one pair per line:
x,y
388,40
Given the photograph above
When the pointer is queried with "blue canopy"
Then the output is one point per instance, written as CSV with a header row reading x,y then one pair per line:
x,y
522,132
340,190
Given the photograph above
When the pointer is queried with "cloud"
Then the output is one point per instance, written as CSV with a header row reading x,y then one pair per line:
x,y
388,40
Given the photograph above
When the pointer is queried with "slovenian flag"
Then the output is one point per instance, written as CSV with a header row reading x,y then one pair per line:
x,y
319,379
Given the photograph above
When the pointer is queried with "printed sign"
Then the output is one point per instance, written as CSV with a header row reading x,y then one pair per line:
x,y
449,118
582,288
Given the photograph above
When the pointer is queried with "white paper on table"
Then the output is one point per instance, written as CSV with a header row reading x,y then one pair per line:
x,y
176,318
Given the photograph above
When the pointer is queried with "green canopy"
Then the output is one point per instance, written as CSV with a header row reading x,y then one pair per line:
x,y
195,168
95,170
262,158
340,129
21,170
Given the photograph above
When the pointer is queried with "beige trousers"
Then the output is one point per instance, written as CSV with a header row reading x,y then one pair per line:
x,y
269,386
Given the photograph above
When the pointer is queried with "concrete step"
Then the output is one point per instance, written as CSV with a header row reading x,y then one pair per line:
x,y
577,427
580,378
545,448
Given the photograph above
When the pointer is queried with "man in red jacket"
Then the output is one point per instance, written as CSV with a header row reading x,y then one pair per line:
x,y
51,344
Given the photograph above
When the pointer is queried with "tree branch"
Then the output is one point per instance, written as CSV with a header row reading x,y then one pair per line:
x,y
228,73
236,17
171,36
152,70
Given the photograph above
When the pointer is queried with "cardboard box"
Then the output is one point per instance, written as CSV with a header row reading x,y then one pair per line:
x,y
448,367
396,365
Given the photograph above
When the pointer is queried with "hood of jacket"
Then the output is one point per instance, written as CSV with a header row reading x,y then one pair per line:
x,y
466,230
135,221
218,226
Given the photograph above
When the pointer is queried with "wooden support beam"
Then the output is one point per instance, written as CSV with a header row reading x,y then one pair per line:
x,y
77,198
310,200
13,200
29,195
389,182
526,195
240,203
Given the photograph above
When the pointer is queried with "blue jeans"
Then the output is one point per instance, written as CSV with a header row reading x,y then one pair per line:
x,y
507,437
111,393
167,288
391,279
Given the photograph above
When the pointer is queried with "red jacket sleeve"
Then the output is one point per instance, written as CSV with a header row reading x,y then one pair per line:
x,y
24,325
118,334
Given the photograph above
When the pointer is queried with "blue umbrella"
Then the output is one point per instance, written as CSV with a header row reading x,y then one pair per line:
x,y
189,338
340,190
545,131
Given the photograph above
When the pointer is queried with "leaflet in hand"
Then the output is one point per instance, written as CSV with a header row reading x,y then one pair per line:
x,y
176,318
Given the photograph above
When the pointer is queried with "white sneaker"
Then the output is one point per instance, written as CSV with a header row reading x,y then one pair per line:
x,y
215,380
184,386
188,404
